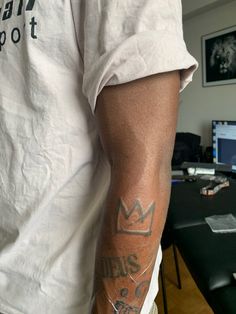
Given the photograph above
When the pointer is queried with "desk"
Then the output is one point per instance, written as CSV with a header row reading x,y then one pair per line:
x,y
189,208
210,257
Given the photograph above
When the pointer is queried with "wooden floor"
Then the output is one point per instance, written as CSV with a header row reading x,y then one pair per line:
x,y
187,300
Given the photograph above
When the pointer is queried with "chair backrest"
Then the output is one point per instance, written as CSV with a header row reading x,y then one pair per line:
x,y
187,148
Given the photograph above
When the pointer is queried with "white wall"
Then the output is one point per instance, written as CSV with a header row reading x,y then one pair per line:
x,y
193,7
199,105
189,6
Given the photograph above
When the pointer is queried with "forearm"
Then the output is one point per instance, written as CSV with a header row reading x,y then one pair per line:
x,y
134,219
136,123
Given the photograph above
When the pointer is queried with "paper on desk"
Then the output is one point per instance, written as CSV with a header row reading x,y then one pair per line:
x,y
222,223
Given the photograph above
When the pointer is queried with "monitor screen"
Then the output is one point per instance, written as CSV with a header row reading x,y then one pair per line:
x,y
224,142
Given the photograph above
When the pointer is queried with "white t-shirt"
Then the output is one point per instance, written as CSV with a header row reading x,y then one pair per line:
x,y
55,58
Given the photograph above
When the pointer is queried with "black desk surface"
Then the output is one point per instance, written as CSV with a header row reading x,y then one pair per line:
x,y
210,257
189,208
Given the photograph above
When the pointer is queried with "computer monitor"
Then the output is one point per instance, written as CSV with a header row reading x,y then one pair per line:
x,y
224,142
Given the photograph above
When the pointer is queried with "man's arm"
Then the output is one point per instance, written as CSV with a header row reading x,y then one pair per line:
x,y
137,123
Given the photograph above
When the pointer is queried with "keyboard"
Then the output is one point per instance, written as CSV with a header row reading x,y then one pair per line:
x,y
202,165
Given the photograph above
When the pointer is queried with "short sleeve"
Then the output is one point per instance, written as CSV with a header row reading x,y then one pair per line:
x,y
132,39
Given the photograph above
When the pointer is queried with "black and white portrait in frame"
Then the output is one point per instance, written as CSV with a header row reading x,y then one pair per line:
x,y
219,57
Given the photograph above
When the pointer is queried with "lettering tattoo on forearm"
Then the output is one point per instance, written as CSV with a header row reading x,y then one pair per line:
x,y
136,220
123,308
115,267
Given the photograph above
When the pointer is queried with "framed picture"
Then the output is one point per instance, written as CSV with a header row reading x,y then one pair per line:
x,y
219,57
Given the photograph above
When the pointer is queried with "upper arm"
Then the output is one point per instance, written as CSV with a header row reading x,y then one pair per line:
x,y
137,120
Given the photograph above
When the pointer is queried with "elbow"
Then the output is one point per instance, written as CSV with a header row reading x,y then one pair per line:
x,y
140,169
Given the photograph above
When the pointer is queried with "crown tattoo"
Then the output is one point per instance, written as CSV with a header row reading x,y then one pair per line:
x,y
137,220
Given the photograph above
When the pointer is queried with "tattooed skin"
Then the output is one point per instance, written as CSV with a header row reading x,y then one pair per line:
x,y
136,220
124,292
142,289
123,308
115,267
